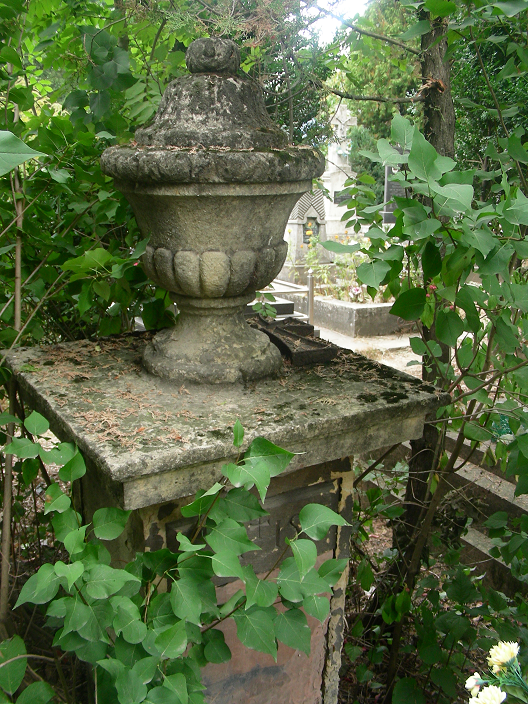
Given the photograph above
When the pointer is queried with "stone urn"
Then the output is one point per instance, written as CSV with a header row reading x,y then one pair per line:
x,y
211,182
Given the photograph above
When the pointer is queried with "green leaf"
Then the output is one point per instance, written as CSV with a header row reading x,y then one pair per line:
x,y
130,688
248,476
255,629
36,424
317,606
186,545
73,469
229,536
446,680
372,273
365,575
440,8
416,30
461,589
516,149
331,570
109,523
431,261
226,564
339,248
292,629
70,573
216,649
410,304
448,327
239,505
185,601
259,591
304,553
473,431
238,434
64,523
264,451
408,691
172,642
102,581
36,693
456,196
12,675
353,651
316,520
177,684
56,500
422,158
289,581
146,668
203,501
128,623
22,447
14,152
40,587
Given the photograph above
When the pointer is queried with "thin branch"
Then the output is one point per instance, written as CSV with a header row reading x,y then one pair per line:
x,y
374,98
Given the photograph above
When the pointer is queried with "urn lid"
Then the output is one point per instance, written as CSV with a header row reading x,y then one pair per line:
x,y
211,127
213,106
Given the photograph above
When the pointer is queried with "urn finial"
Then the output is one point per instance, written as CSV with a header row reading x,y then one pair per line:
x,y
213,55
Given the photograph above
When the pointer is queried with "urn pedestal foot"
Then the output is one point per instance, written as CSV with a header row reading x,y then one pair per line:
x,y
211,343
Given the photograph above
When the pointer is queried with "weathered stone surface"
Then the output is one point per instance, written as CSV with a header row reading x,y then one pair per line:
x,y
160,441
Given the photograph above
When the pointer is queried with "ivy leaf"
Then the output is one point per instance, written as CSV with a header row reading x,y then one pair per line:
x,y
74,469
410,304
13,152
316,520
172,642
304,553
36,424
292,629
255,629
109,523
12,675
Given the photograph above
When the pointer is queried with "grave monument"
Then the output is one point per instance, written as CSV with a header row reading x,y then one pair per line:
x,y
212,182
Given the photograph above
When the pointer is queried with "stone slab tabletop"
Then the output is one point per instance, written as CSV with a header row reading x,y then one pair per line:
x,y
161,441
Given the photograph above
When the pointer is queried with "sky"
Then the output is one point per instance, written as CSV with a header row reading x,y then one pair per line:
x,y
346,8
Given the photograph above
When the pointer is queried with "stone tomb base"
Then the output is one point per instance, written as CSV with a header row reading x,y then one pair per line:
x,y
150,445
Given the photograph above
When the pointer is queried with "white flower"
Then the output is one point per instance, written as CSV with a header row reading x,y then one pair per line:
x,y
489,695
501,654
473,683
